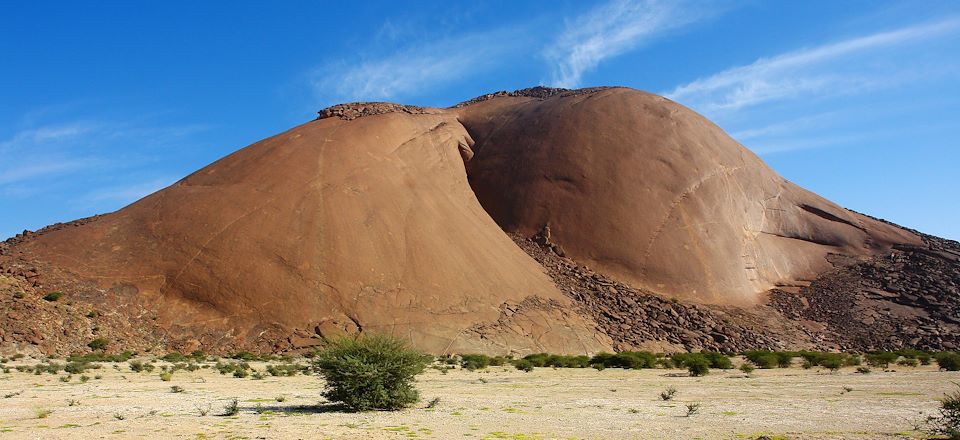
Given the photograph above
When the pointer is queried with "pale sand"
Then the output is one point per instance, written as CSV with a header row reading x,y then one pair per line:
x,y
547,403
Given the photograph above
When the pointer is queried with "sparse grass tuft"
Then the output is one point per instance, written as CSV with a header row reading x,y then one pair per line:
x,y
42,413
668,393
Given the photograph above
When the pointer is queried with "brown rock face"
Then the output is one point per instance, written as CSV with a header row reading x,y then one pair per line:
x,y
381,217
651,193
366,224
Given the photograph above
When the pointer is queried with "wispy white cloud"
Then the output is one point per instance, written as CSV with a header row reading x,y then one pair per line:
x,y
413,68
809,72
124,194
615,28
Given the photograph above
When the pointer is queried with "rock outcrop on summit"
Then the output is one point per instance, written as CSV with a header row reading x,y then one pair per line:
x,y
536,220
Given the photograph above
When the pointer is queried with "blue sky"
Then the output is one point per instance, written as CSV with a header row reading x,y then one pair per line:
x,y
104,102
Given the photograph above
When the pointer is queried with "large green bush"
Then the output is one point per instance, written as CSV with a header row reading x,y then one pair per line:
x,y
948,361
370,372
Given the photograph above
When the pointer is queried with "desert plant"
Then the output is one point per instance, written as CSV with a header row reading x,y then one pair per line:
x,y
232,408
84,378
53,296
693,408
746,368
136,366
668,393
42,413
474,361
864,370
718,360
166,376
881,359
98,344
523,365
698,367
908,362
202,410
762,358
948,361
281,398
370,372
947,423
832,363
433,403
73,402
176,389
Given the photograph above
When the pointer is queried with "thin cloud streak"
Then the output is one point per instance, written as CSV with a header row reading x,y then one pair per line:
x,y
413,69
614,29
804,71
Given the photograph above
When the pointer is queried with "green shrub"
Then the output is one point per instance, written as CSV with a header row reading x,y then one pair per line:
x,y
76,367
948,361
746,368
474,361
718,360
174,357
98,344
832,361
523,365
762,358
370,372
863,370
881,359
908,362
625,359
166,376
498,361
53,296
948,422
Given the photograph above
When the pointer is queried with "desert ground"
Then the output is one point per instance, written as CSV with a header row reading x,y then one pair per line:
x,y
496,403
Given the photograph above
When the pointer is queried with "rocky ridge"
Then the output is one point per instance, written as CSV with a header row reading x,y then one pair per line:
x,y
639,319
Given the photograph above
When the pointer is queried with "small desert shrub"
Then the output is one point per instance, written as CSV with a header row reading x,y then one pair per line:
x,y
84,378
718,360
257,375
746,368
76,367
98,344
173,357
42,413
907,362
881,359
762,358
370,372
166,376
864,370
232,409
176,389
285,369
433,403
240,373
136,366
693,408
832,363
498,361
523,365
101,357
53,296
66,378
668,393
697,364
948,422
948,361
474,361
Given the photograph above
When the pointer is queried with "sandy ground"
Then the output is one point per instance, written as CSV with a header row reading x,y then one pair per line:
x,y
493,404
